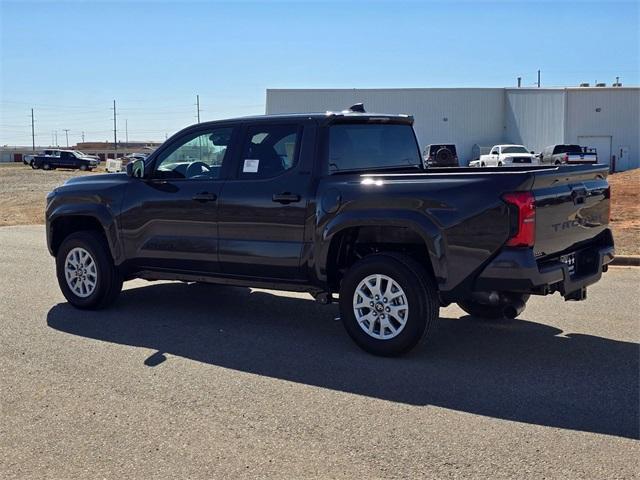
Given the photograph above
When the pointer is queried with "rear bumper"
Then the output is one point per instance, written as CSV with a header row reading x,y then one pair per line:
x,y
517,270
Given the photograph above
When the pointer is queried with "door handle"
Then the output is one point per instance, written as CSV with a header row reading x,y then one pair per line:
x,y
286,197
205,197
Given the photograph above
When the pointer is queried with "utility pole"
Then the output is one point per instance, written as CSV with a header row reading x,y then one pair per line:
x,y
57,138
115,135
52,139
519,81
33,134
198,106
538,78
66,132
82,137
126,132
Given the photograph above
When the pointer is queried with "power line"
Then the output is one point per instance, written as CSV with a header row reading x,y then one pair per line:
x,y
115,129
33,134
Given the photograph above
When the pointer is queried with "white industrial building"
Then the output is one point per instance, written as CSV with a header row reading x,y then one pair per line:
x,y
606,118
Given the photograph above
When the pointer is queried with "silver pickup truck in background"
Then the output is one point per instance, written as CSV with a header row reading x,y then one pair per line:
x,y
568,154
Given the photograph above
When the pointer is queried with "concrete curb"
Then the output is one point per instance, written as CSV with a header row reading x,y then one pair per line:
x,y
626,260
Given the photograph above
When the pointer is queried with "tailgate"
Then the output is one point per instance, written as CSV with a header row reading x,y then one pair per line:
x,y
581,158
572,207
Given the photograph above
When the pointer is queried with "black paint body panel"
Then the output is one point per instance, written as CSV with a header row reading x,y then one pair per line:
x,y
245,237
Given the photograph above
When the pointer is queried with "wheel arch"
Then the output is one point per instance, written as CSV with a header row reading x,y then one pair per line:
x,y
348,238
61,224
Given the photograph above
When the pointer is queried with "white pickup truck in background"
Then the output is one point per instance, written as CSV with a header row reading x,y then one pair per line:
x,y
507,156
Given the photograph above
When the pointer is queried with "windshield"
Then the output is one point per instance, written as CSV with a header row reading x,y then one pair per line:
x,y
371,146
514,149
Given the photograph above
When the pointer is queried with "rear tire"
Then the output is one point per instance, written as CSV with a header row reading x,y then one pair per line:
x,y
98,265
405,303
489,312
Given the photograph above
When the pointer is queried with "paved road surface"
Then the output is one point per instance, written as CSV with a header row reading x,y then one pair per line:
x,y
196,381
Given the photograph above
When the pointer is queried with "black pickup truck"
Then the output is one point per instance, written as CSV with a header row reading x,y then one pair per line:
x,y
64,159
334,203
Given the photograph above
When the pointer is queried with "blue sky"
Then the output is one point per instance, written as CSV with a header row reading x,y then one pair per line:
x,y
69,60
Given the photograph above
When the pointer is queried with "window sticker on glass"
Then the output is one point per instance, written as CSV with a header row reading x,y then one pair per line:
x,y
250,166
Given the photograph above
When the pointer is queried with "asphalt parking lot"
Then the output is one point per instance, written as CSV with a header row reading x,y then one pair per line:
x,y
193,381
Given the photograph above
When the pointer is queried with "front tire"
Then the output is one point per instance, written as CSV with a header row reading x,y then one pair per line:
x,y
86,273
387,303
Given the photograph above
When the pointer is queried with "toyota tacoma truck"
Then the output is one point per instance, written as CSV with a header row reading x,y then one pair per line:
x,y
334,204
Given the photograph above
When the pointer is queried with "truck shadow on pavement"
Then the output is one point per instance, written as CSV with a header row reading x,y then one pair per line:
x,y
520,370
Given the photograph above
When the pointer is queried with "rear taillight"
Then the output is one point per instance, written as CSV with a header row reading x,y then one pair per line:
x,y
523,204
566,158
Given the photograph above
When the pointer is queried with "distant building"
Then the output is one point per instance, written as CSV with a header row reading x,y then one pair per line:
x,y
121,145
606,118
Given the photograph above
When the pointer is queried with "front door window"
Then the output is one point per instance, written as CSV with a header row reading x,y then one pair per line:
x,y
199,156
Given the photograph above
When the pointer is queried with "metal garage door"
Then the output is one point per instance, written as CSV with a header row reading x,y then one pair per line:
x,y
601,143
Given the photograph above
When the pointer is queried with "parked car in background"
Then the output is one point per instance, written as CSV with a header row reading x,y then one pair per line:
x,y
65,159
88,155
114,165
507,156
569,154
440,155
333,203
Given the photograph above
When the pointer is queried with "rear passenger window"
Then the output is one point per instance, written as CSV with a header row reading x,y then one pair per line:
x,y
269,151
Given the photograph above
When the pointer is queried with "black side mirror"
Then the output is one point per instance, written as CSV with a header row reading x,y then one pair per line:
x,y
135,169
532,152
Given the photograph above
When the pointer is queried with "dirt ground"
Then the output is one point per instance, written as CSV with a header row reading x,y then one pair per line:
x,y
625,211
23,191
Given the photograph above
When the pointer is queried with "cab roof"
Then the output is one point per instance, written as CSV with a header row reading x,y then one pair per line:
x,y
354,113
